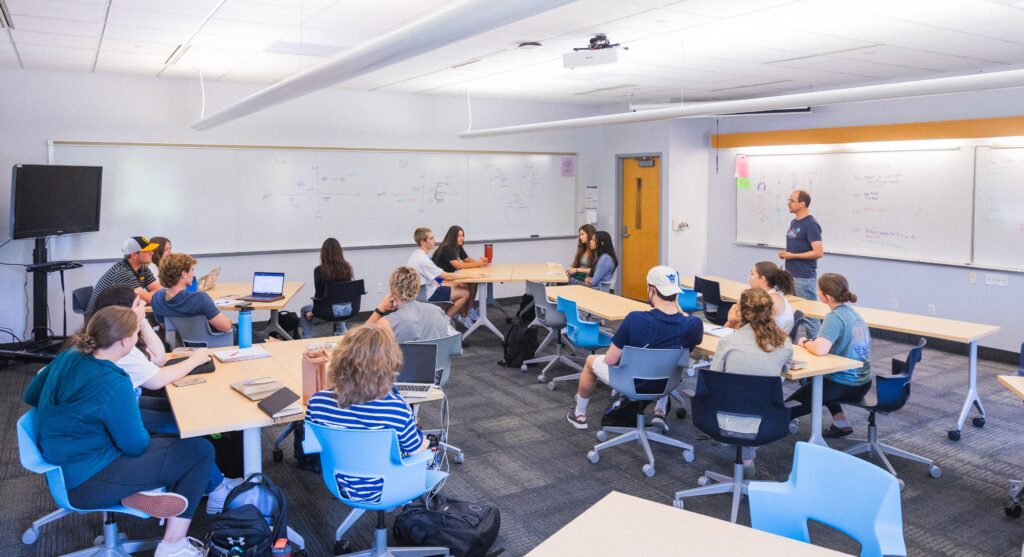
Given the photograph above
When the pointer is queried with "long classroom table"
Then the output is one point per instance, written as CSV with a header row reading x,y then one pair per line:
x,y
615,308
506,272
964,332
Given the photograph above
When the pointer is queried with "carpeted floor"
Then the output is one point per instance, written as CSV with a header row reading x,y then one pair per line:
x,y
523,457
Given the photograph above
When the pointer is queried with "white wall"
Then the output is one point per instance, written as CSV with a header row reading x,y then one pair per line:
x,y
877,281
39,106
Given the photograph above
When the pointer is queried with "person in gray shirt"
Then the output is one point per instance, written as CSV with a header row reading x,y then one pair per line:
x,y
408,318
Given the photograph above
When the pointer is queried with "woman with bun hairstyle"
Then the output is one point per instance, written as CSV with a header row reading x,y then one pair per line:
x,y
585,256
844,333
778,283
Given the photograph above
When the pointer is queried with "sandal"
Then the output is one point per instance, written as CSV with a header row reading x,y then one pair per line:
x,y
578,422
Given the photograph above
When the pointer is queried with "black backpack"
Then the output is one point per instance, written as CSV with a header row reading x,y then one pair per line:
x,y
467,529
255,516
622,412
289,321
521,340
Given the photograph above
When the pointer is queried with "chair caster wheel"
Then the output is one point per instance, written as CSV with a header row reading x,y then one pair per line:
x,y
934,471
460,458
953,434
342,547
678,503
978,421
688,455
703,481
1012,511
794,426
602,436
30,536
902,484
681,413
593,457
278,455
551,386
648,470
524,368
540,378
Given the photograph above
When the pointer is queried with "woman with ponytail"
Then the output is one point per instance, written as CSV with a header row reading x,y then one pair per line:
x,y
777,282
89,425
758,347
844,333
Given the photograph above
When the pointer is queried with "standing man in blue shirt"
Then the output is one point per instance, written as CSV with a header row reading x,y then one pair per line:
x,y
803,250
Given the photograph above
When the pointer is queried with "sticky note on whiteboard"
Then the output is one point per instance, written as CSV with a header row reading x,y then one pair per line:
x,y
568,167
742,166
743,183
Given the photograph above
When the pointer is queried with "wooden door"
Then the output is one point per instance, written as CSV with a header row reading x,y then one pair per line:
x,y
640,227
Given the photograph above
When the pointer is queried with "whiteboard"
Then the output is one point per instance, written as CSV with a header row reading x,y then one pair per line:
x,y
910,205
216,199
999,208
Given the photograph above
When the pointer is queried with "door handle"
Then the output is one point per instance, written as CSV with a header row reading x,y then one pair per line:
x,y
625,231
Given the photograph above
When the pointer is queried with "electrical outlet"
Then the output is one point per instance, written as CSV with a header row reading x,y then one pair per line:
x,y
931,309
895,303
972,277
380,287
997,279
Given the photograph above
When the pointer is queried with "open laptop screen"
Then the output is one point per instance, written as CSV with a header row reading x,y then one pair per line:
x,y
417,363
268,283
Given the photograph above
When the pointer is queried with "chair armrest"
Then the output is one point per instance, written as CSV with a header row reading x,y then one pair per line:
x,y
311,445
419,458
791,403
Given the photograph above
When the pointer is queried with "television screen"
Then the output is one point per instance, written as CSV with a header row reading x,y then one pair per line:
x,y
49,200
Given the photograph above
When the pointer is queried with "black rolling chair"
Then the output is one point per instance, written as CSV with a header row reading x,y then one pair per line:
x,y
798,319
715,309
338,295
741,410
80,299
890,394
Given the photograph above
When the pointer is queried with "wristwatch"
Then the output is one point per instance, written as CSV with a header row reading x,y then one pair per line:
x,y
379,312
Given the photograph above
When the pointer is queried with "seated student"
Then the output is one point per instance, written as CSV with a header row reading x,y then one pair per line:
x,y
606,262
420,260
406,317
163,247
758,347
450,257
363,368
844,333
778,283
332,268
89,425
143,366
664,326
133,269
585,256
176,273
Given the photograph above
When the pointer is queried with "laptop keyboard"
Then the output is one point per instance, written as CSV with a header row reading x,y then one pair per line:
x,y
413,387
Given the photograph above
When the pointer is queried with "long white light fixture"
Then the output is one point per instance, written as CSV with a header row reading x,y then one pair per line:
x,y
449,25
942,85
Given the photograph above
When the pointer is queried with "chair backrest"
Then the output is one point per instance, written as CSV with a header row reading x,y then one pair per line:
x,y
195,331
581,333
336,293
369,457
892,392
80,299
854,496
746,410
446,348
648,373
798,318
710,291
547,312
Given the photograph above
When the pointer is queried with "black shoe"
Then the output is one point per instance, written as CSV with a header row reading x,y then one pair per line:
x,y
834,432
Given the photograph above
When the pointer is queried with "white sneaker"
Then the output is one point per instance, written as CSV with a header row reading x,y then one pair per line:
x,y
215,499
190,548
469,320
474,314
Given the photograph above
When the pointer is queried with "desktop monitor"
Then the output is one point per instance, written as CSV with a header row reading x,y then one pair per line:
x,y
49,200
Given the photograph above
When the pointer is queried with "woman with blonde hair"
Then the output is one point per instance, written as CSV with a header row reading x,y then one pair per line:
x,y
758,347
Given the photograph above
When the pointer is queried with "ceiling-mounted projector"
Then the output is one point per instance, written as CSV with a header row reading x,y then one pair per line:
x,y
600,51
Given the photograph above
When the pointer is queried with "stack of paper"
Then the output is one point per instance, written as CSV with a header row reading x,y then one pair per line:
x,y
717,331
239,354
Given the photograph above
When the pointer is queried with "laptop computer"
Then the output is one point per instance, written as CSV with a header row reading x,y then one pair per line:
x,y
266,287
416,378
209,280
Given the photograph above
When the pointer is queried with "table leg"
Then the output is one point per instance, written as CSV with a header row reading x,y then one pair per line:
x,y
274,326
483,321
817,385
252,459
972,399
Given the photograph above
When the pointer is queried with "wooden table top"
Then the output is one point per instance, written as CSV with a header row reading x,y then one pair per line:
x,y
816,365
516,272
924,325
1014,383
728,288
621,524
235,290
214,407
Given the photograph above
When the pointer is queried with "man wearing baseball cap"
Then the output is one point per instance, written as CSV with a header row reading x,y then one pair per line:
x,y
664,326
133,269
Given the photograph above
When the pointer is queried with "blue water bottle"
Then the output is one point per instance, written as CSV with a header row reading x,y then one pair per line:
x,y
194,287
244,326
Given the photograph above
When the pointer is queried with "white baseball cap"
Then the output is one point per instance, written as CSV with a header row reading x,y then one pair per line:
x,y
665,279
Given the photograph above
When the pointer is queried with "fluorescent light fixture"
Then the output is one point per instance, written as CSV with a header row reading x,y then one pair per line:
x,y
5,16
177,54
938,86
655,106
457,22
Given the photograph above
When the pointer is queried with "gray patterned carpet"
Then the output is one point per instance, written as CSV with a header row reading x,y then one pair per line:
x,y
522,457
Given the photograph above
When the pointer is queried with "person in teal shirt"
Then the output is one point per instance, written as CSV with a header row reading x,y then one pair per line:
x,y
88,423
843,333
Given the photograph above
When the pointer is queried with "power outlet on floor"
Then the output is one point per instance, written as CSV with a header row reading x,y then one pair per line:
x,y
972,277
997,279
931,309
380,287
895,303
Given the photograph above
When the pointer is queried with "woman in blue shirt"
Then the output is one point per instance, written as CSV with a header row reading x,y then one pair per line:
x,y
89,424
844,333
605,264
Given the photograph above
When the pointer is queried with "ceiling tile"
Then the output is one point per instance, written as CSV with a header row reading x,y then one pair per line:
x,y
855,67
9,61
836,22
957,15
229,28
914,58
970,46
95,13
59,26
154,20
57,51
662,21
1004,31
138,47
253,12
770,37
32,62
324,37
720,9
243,44
51,39
143,34
201,8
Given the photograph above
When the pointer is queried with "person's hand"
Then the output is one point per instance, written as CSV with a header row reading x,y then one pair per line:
x,y
586,281
139,307
387,303
783,254
199,356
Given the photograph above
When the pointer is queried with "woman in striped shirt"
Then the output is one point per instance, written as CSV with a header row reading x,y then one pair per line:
x,y
364,366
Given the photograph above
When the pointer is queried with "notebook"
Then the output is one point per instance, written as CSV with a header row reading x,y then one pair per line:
x,y
266,287
416,378
208,367
716,331
209,280
240,354
282,402
258,388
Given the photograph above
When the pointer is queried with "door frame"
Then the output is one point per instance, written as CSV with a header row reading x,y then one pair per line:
x,y
662,205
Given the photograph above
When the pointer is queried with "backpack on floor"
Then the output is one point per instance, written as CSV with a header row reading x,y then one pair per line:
x,y
622,412
289,321
520,343
255,516
467,529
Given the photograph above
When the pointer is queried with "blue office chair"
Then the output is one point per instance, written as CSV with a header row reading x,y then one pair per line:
x,y
579,334
112,542
548,317
644,374
446,348
798,319
835,489
890,394
365,470
716,310
741,410
195,332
